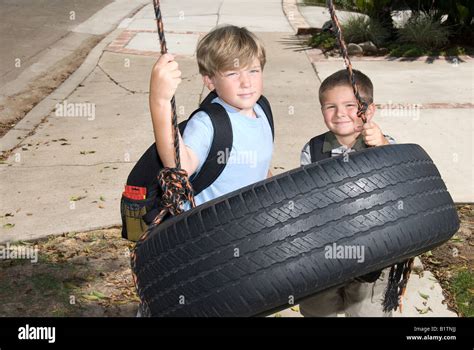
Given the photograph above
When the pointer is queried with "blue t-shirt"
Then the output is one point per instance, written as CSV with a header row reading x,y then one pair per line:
x,y
250,157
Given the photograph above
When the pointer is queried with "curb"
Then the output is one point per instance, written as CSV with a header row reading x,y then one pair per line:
x,y
293,15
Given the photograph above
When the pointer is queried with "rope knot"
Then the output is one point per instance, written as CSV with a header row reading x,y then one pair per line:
x,y
176,189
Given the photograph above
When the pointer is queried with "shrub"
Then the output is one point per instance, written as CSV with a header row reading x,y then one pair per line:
x,y
325,41
407,50
360,29
425,31
340,4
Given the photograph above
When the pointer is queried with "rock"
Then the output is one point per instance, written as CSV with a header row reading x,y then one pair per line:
x,y
308,31
417,266
354,49
368,47
327,26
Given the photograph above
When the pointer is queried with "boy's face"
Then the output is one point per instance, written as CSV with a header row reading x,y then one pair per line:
x,y
339,107
239,87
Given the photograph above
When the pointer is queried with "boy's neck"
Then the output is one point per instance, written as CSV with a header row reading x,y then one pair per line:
x,y
347,140
249,112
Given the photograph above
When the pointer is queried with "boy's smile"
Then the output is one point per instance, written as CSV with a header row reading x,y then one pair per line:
x,y
241,88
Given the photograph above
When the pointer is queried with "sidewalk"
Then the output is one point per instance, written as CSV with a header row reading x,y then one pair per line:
x,y
428,102
68,175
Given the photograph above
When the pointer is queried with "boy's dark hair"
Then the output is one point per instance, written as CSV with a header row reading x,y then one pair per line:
x,y
341,78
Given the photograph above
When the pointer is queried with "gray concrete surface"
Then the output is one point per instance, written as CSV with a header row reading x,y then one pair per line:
x,y
30,27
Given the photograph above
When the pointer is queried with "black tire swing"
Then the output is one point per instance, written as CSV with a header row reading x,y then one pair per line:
x,y
259,249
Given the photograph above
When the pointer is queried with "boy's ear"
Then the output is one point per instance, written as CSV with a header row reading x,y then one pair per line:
x,y
208,82
370,112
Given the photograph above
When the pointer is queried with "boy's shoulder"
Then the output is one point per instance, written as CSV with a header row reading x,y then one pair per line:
x,y
308,150
316,140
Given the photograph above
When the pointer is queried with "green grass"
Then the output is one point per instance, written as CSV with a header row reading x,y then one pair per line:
x,y
463,291
46,283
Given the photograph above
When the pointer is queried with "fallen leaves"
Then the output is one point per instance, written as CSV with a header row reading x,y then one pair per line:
x,y
94,296
90,266
424,296
423,311
456,239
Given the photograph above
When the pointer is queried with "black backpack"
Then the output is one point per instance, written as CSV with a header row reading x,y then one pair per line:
x,y
316,148
137,214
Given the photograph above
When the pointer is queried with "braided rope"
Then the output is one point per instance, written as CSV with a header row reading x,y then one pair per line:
x,y
362,104
164,49
406,275
174,182
399,273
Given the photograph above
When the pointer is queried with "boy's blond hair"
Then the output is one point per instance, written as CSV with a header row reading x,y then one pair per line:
x,y
228,47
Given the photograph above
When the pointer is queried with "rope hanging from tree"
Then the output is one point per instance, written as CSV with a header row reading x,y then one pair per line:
x,y
362,104
174,182
399,273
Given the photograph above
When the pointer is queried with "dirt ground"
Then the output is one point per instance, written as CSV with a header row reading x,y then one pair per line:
x,y
88,274
14,108
84,274
453,265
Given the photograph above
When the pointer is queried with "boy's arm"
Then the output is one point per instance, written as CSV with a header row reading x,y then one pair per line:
x,y
165,78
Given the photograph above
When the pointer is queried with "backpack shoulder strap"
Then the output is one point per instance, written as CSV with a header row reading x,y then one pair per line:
x,y
208,99
221,146
263,102
316,148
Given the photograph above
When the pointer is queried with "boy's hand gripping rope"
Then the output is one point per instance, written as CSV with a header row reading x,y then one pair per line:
x,y
174,181
399,273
